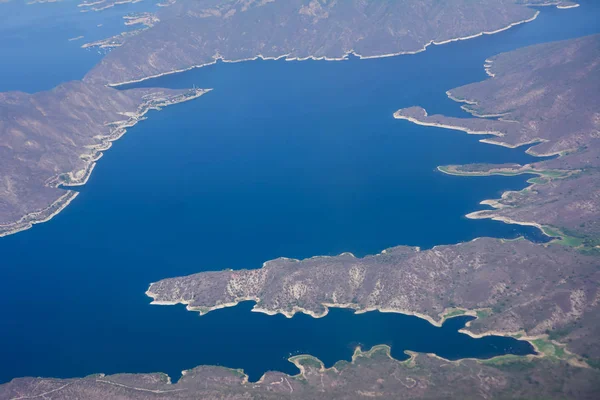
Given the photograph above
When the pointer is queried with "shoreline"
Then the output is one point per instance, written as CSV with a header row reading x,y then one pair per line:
x,y
454,128
359,309
297,361
358,352
497,134
94,153
523,170
567,7
444,316
496,204
488,214
38,217
344,57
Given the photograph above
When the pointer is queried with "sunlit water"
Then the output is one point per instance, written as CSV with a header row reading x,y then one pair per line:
x,y
283,158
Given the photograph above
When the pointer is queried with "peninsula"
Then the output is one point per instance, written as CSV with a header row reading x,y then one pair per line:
x,y
196,33
547,94
518,286
53,139
371,374
549,292
544,96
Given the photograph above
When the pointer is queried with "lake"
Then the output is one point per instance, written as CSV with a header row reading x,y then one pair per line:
x,y
40,43
290,159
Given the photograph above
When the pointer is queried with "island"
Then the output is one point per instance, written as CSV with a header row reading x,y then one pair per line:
x,y
544,97
195,33
527,288
145,19
514,288
548,294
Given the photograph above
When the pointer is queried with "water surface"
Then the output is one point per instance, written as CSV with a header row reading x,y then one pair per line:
x,y
290,159
36,52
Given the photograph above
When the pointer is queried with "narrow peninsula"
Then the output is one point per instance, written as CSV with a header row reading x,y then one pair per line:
x,y
50,140
546,293
545,96
197,33
371,374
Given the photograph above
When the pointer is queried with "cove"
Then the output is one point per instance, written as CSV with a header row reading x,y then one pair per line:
x,y
257,342
290,159
36,51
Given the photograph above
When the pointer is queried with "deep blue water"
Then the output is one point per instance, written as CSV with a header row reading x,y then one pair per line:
x,y
283,158
35,51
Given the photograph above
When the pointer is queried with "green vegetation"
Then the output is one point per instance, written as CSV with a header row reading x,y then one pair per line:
x,y
550,350
483,313
537,181
587,240
562,238
500,360
360,353
340,365
454,313
307,361
164,377
238,373
571,241
379,351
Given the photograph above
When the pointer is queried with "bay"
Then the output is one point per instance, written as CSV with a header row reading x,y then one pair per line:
x,y
290,159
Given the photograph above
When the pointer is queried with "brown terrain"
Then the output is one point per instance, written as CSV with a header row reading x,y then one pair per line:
x,y
42,136
196,33
371,374
545,95
548,294
101,5
520,286
51,139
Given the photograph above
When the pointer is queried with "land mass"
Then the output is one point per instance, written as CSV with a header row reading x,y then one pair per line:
x,y
371,374
528,287
520,287
546,96
53,139
101,5
196,33
80,116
